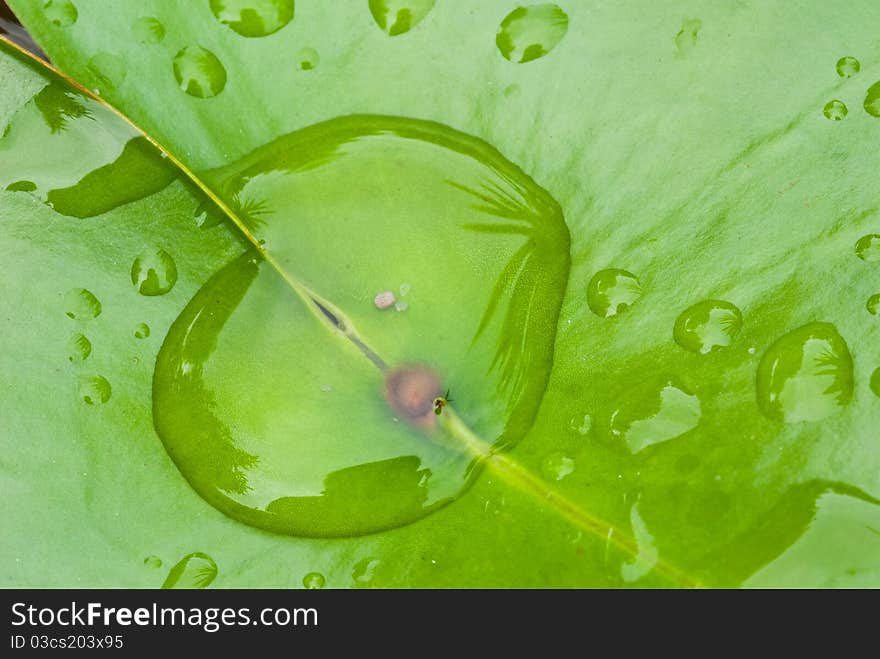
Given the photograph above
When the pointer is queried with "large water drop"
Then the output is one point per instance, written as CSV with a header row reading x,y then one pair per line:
x,y
78,348
612,291
872,100
198,72
707,325
529,33
95,390
806,375
193,571
148,30
60,12
396,17
153,272
81,304
253,18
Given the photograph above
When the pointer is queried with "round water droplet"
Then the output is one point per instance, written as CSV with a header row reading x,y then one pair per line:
x,y
94,390
557,466
79,348
198,72
875,382
363,570
399,16
512,91
847,67
153,272
148,30
81,304
21,186
153,561
872,100
313,581
651,414
60,12
246,443
686,38
835,110
400,305
405,289
582,425
307,59
142,331
107,71
873,304
253,18
196,570
528,33
207,214
612,291
707,325
806,375
868,247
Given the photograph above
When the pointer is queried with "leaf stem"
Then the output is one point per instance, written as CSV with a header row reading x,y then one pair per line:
x,y
506,468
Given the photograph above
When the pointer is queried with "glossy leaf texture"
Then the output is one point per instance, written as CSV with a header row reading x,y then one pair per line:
x,y
709,395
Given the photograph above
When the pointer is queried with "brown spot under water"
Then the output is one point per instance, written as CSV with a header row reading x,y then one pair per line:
x,y
411,391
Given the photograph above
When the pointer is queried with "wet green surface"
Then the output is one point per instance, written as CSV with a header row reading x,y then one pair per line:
x,y
739,457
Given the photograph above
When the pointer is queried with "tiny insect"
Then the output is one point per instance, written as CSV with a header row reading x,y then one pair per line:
x,y
442,401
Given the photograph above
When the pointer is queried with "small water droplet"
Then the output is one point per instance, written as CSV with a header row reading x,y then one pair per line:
x,y
401,305
94,390
647,556
875,382
805,375
384,300
872,100
686,38
512,91
153,561
148,30
364,569
835,110
326,388
21,186
207,214
529,33
707,325
405,289
81,304
396,17
847,67
650,417
494,505
873,304
868,247
307,59
557,466
142,331
752,350
582,425
253,18
153,272
314,581
198,72
196,570
60,12
611,291
79,348
107,71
